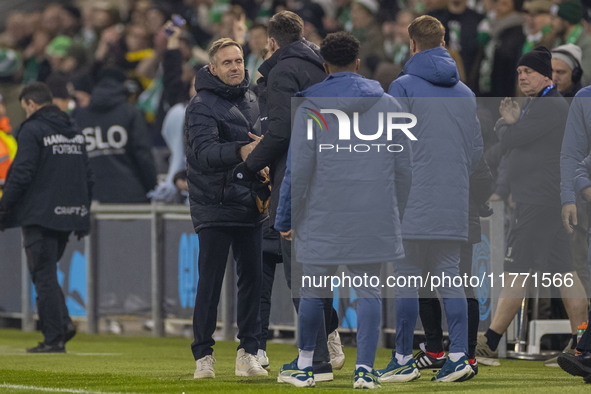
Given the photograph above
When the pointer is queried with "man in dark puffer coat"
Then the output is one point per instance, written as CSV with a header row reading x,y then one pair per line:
x,y
217,124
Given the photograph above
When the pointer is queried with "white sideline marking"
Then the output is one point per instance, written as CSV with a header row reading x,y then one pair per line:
x,y
94,354
11,351
49,389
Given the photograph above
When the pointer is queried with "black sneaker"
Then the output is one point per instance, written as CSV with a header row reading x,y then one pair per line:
x,y
427,361
70,332
323,372
576,365
42,347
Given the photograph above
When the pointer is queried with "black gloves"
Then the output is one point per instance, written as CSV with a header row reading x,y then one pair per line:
x,y
259,185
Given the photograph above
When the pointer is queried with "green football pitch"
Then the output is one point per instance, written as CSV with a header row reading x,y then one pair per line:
x,y
108,364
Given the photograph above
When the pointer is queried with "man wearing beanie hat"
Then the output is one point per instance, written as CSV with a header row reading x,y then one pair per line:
x,y
566,69
566,25
531,136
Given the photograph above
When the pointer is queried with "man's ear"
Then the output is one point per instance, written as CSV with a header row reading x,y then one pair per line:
x,y
413,47
326,68
213,70
272,44
357,64
442,43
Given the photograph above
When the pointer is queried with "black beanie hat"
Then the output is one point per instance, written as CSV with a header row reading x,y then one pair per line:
x,y
540,60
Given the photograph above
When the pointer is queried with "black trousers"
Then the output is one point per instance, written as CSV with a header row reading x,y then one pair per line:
x,y
430,311
270,262
44,248
214,245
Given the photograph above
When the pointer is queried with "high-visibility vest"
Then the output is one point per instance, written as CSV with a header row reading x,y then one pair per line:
x,y
7,149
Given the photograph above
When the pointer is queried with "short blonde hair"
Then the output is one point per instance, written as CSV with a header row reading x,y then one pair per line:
x,y
427,32
219,44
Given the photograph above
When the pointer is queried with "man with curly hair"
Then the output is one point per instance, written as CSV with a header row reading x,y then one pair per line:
x,y
372,233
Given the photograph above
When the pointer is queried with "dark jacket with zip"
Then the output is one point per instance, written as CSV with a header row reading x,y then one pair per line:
x,y
290,70
49,182
217,123
533,148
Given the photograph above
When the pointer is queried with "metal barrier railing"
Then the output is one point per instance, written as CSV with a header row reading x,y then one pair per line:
x,y
157,215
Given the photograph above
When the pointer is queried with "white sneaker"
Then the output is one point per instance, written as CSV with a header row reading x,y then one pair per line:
x,y
335,349
263,359
248,365
204,368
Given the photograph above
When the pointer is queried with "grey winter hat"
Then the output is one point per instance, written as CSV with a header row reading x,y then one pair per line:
x,y
562,52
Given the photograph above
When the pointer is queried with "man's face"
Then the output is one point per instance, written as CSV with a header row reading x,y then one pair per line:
x,y
360,17
561,75
530,81
257,39
29,107
228,65
504,7
535,21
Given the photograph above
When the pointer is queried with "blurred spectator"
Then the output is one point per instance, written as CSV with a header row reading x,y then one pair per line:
x,y
385,72
123,47
233,25
502,51
51,19
396,39
369,34
313,15
75,59
196,15
103,15
10,75
10,64
155,18
176,95
538,25
82,85
71,22
137,10
567,25
57,51
429,6
566,69
16,30
257,45
96,17
117,142
461,37
36,66
58,85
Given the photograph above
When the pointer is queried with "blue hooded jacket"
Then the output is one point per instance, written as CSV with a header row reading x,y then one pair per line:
x,y
576,144
448,148
346,205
